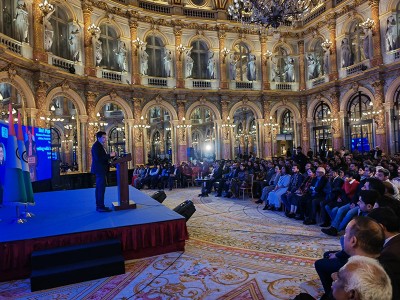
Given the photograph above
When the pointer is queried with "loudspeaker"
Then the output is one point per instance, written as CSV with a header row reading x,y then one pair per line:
x,y
190,152
185,209
159,196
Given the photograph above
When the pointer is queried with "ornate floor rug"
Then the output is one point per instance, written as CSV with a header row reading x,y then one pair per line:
x,y
236,251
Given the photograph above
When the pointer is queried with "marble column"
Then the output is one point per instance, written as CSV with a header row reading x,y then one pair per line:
x,y
267,129
135,77
87,10
380,140
377,59
41,91
138,133
91,128
264,63
226,131
333,70
181,133
302,79
305,133
39,54
82,147
180,83
223,83
336,128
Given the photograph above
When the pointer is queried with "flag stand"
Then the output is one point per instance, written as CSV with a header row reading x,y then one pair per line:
x,y
18,218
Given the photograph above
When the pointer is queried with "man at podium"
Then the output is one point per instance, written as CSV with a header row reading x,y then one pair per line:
x,y
100,167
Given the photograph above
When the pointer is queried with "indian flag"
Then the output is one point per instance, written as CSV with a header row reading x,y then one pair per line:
x,y
14,186
24,163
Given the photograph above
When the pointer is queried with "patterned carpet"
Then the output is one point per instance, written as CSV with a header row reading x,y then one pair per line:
x,y
236,251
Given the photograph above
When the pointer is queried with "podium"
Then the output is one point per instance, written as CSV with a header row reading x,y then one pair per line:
x,y
123,185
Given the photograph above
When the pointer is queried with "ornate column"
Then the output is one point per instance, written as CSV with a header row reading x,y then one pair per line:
x,y
181,133
87,9
376,34
39,54
264,63
267,129
91,128
302,79
41,91
129,123
305,139
223,83
83,146
138,133
380,117
333,74
336,128
226,131
133,25
180,83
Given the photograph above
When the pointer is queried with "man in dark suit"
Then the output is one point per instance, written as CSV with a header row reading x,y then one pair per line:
x,y
390,254
100,167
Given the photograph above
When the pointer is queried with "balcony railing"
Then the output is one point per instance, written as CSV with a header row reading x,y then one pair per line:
x,y
111,75
11,44
157,82
201,84
62,63
243,85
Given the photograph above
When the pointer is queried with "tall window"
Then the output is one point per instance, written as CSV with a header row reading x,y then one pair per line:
x,y
155,50
117,140
7,14
59,22
396,122
200,57
322,128
109,40
287,122
242,53
356,38
315,61
282,66
360,123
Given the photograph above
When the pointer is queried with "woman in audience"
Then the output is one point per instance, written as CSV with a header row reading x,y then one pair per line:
x,y
274,196
271,185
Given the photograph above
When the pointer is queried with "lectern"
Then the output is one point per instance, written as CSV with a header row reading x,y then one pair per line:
x,y
123,186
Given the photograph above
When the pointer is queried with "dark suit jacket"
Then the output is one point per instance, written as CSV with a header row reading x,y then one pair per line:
x,y
100,159
390,260
294,186
319,190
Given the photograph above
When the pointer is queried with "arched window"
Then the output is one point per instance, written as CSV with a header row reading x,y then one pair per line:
x,y
322,128
282,66
199,55
155,145
155,50
59,22
242,53
109,43
315,61
7,14
116,140
360,123
287,122
55,143
356,38
396,122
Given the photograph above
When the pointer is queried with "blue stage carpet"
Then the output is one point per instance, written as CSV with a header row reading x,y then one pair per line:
x,y
73,211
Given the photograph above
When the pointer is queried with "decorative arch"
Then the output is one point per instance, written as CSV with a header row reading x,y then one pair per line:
x,y
68,93
249,43
286,105
245,103
117,27
203,103
284,45
349,22
314,103
156,33
200,38
158,101
22,87
116,100
347,96
313,42
69,10
391,92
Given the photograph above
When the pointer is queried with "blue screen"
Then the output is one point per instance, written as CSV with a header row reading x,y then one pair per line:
x,y
361,144
38,150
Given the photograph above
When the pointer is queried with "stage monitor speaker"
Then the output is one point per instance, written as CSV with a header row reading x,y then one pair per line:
x,y
185,209
160,196
190,152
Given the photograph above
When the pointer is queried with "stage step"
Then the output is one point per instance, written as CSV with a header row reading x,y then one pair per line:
x,y
72,264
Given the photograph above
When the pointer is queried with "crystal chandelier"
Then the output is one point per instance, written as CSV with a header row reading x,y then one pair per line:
x,y
268,13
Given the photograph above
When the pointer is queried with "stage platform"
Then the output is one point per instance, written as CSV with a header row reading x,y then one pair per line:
x,y
69,218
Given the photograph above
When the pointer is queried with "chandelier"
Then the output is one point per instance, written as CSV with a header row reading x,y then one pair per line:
x,y
268,13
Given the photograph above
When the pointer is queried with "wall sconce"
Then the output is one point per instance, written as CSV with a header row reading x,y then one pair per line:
x,y
228,123
94,30
45,8
52,108
142,124
184,125
368,24
225,52
326,45
180,49
137,43
267,56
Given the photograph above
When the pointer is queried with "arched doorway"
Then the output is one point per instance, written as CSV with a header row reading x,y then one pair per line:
x,y
322,128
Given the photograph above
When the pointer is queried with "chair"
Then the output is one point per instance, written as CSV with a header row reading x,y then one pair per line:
x,y
248,188
190,181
